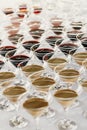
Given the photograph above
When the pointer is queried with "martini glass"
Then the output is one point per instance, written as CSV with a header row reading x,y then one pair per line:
x,y
55,59
66,97
6,49
43,86
16,58
77,25
36,33
6,78
79,56
36,107
73,34
14,94
42,49
66,47
14,61
69,76
29,43
15,38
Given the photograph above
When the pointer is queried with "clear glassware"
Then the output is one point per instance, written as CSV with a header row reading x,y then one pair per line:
x,y
80,55
16,39
6,78
43,86
15,94
41,49
51,38
68,46
55,59
14,58
36,107
66,97
28,42
69,76
73,34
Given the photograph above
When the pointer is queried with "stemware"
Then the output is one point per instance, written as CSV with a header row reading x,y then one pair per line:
x,y
69,75
73,34
8,11
79,56
55,59
34,24
36,107
14,94
16,58
58,30
77,25
12,31
66,46
56,21
43,85
52,39
40,50
16,38
5,49
66,97
31,69
36,33
22,10
28,44
6,78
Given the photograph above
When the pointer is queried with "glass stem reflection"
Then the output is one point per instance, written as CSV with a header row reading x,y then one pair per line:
x,y
37,123
17,109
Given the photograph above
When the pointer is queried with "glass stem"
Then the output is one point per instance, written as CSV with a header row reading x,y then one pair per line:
x,y
17,108
37,123
66,111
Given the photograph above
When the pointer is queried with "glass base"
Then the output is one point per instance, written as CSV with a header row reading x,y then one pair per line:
x,y
19,82
50,113
18,121
67,124
84,113
5,105
37,94
76,104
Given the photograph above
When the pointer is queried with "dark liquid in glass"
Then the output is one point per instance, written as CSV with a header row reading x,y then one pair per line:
x,y
41,52
37,10
8,11
28,44
74,35
17,59
52,40
36,32
77,27
66,48
58,30
5,49
16,38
